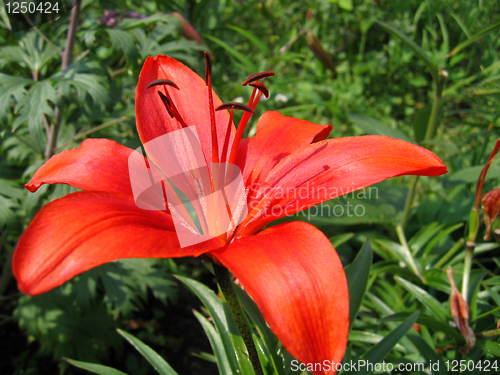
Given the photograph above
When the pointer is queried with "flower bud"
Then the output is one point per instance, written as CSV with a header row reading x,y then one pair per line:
x,y
491,206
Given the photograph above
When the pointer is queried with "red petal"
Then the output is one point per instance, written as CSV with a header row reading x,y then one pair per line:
x,y
334,167
296,278
97,165
191,100
86,229
277,137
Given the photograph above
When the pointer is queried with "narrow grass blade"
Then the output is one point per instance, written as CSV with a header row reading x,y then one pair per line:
x,y
216,344
472,39
428,353
425,298
252,38
357,274
340,239
426,59
375,127
149,354
233,52
269,339
216,311
95,368
378,352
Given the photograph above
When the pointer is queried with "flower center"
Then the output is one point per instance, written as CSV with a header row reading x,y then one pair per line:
x,y
228,193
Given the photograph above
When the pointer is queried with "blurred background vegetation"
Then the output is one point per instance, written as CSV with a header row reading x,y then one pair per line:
x,y
334,63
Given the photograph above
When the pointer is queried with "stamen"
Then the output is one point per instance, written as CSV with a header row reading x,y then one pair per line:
x,y
252,81
241,128
158,82
171,109
234,105
228,134
215,143
262,88
166,103
257,76
208,68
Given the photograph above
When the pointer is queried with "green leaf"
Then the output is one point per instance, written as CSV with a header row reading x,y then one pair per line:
x,y
471,174
371,338
428,353
244,60
398,251
440,326
442,234
216,344
429,322
472,39
8,209
378,352
130,23
357,274
444,31
95,368
340,239
11,87
425,233
486,92
149,354
238,344
122,40
489,347
420,123
252,38
216,311
5,22
372,126
434,306
270,340
10,54
426,59
495,280
346,4
39,96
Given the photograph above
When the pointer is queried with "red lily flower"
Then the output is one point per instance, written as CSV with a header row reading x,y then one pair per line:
x,y
291,270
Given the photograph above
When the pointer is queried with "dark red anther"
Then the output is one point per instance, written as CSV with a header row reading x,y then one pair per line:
x,y
158,82
208,67
256,76
239,106
171,109
166,103
261,87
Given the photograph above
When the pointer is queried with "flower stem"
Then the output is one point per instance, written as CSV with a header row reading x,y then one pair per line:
x,y
494,332
429,134
67,57
449,254
469,252
409,201
408,254
434,117
226,286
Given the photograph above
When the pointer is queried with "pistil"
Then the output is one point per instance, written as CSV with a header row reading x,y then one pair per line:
x,y
208,83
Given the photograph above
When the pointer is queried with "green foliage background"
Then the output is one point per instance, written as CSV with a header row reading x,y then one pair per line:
x,y
334,63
